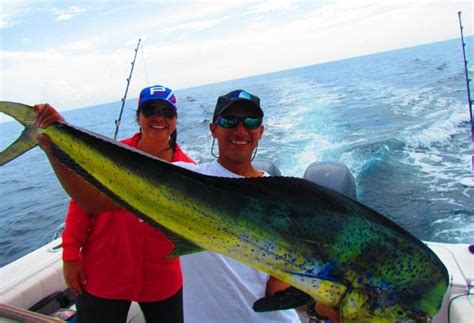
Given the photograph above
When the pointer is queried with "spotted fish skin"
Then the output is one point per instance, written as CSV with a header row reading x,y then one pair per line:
x,y
326,245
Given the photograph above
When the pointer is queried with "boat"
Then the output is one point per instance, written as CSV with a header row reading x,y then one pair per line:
x,y
32,288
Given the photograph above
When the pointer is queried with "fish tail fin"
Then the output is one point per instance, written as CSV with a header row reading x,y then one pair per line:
x,y
23,114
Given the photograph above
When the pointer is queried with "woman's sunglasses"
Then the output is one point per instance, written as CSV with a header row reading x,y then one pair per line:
x,y
230,122
152,110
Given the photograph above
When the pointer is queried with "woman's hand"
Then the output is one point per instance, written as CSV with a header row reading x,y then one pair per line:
x,y
74,276
46,115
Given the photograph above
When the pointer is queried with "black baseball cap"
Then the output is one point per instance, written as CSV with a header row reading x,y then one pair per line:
x,y
226,101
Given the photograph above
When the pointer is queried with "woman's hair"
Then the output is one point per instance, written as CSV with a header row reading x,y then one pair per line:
x,y
172,141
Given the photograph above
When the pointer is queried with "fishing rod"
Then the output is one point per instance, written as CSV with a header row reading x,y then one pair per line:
x,y
468,80
117,122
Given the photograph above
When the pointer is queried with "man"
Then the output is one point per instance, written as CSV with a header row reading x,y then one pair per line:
x,y
218,288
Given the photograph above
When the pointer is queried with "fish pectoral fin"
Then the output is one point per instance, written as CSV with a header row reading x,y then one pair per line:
x,y
181,246
282,300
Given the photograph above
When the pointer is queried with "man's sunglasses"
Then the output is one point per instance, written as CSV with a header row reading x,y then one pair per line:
x,y
151,110
230,122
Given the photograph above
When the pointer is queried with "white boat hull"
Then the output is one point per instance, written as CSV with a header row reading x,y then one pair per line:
x,y
37,275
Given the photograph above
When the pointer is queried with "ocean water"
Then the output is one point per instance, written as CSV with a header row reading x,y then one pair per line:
x,y
399,120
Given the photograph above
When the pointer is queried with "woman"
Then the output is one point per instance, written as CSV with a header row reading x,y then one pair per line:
x,y
112,258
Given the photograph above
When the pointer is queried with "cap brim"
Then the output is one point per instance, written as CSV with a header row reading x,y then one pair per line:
x,y
248,103
168,103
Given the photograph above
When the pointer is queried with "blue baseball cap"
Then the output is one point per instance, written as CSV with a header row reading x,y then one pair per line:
x,y
157,93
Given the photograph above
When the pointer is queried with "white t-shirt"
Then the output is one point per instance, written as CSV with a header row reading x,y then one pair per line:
x,y
220,289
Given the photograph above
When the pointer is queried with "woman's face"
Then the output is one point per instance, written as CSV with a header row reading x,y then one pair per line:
x,y
157,121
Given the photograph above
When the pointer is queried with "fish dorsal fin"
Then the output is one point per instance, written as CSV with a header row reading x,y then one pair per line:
x,y
282,300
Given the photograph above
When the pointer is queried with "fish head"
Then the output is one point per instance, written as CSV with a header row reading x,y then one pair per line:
x,y
365,305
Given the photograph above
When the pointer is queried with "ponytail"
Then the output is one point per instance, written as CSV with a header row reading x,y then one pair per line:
x,y
172,141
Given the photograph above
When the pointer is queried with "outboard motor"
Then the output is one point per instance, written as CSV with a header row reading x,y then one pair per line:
x,y
267,166
333,175
330,174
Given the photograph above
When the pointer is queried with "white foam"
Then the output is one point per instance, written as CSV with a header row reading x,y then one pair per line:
x,y
443,126
467,181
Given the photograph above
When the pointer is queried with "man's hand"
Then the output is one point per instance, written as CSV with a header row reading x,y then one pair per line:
x,y
326,311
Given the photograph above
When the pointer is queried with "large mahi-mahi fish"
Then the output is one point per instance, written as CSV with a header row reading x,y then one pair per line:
x,y
326,246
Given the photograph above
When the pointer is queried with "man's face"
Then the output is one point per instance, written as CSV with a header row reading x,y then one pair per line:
x,y
236,145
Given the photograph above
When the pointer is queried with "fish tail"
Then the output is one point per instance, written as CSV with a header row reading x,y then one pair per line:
x,y
23,114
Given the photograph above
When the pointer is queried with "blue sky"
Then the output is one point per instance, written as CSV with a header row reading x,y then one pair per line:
x,y
77,53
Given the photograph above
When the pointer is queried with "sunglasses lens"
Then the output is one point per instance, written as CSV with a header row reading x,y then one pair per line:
x,y
151,110
147,110
230,122
169,113
252,122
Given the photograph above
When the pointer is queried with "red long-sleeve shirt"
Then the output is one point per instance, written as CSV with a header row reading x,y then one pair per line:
x,y
122,256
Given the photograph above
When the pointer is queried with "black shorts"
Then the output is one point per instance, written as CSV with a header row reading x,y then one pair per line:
x,y
92,309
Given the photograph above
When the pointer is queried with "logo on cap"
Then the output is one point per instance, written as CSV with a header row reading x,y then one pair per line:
x,y
244,95
154,89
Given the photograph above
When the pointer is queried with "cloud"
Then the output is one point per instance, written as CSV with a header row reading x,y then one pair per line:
x,y
67,14
82,44
195,26
12,13
64,78
268,6
199,43
5,23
